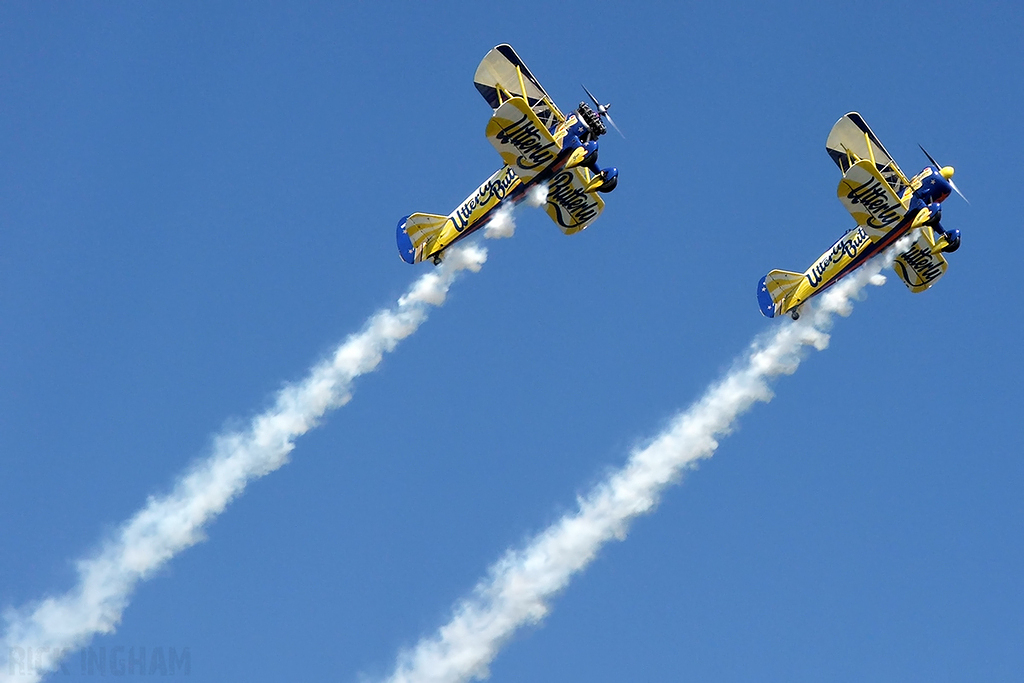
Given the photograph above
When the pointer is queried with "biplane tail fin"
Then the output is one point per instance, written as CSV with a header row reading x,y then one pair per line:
x,y
415,233
773,289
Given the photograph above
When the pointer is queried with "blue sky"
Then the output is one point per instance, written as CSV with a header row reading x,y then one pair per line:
x,y
198,202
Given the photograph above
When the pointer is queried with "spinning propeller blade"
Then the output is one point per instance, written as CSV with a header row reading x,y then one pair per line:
x,y
930,157
607,116
957,190
949,179
594,99
602,110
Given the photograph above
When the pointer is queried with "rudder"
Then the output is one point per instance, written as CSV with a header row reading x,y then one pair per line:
x,y
415,232
773,289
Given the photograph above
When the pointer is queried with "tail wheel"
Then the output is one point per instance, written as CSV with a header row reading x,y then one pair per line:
x,y
795,314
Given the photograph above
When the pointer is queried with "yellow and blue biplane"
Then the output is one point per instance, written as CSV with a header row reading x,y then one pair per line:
x,y
886,205
539,145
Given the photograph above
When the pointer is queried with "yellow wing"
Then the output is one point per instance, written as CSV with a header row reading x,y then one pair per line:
x,y
523,142
851,140
922,264
569,205
502,75
871,201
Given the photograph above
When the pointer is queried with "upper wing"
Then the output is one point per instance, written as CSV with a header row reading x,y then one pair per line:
x,y
570,206
870,199
851,141
921,265
502,75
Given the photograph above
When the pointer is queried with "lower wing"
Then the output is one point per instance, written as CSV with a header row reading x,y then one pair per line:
x,y
570,206
922,264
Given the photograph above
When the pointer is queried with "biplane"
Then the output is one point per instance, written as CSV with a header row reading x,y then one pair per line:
x,y
886,205
538,145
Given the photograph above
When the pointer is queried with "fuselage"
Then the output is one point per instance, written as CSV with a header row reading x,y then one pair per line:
x,y
922,200
505,187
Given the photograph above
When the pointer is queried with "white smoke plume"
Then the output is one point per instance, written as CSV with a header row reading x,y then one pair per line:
x,y
537,195
38,636
501,225
520,585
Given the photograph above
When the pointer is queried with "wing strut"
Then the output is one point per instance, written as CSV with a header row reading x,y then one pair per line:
x,y
871,151
522,83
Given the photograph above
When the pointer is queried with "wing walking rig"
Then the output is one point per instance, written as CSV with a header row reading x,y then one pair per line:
x,y
886,205
538,144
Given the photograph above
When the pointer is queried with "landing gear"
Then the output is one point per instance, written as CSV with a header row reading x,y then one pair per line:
x,y
611,180
953,239
604,180
795,314
583,153
436,259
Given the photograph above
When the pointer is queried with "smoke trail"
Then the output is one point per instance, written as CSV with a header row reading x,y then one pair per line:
x,y
501,224
520,584
39,636
537,196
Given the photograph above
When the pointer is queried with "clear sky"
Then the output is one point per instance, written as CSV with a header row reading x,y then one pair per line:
x,y
198,202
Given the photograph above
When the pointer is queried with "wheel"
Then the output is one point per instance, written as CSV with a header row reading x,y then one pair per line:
x,y
953,241
437,259
609,184
795,315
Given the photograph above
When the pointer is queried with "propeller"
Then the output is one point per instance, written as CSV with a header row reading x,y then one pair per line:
x,y
602,110
941,169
